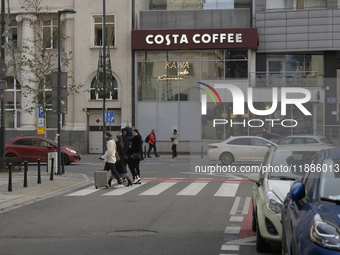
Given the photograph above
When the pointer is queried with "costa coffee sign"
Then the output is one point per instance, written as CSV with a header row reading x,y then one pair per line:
x,y
194,39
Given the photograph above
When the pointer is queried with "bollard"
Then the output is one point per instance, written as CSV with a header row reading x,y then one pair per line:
x,y
51,176
144,151
201,151
10,177
39,174
25,174
62,164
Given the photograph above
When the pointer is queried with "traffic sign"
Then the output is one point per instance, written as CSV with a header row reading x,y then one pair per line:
x,y
41,111
41,131
109,117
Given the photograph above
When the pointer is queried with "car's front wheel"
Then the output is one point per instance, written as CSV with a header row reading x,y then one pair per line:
x,y
10,155
227,158
261,244
65,158
253,221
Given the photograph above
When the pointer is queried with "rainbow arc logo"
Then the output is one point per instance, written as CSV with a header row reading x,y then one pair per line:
x,y
204,97
209,93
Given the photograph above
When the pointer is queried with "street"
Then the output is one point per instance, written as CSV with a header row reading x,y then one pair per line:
x,y
173,211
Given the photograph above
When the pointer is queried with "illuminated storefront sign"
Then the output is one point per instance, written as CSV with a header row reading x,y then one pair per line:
x,y
194,39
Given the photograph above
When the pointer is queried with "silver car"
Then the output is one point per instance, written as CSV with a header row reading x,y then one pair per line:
x,y
305,139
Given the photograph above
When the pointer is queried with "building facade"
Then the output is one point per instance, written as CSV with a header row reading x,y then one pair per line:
x,y
164,54
82,126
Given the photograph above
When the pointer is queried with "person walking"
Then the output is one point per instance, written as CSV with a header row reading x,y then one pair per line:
x,y
127,143
110,160
120,165
135,148
264,133
174,139
152,143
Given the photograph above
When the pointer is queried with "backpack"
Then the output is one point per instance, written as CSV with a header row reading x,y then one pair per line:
x,y
147,139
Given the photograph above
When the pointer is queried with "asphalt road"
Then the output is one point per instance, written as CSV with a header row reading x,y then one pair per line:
x,y
174,211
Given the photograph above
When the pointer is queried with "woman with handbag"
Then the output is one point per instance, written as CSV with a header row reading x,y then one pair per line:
x,y
110,159
135,151
120,164
174,139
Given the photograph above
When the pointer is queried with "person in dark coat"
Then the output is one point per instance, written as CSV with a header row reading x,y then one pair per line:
x,y
121,165
135,147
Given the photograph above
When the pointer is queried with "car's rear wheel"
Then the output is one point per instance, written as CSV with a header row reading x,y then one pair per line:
x,y
227,158
65,158
261,244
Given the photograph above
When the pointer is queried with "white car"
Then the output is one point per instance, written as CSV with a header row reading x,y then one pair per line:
x,y
281,166
240,149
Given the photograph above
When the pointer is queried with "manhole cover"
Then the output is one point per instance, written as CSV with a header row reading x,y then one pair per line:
x,y
133,233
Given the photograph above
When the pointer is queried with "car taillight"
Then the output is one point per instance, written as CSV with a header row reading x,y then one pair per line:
x,y
212,147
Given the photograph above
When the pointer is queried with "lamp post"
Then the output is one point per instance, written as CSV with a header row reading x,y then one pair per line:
x,y
67,10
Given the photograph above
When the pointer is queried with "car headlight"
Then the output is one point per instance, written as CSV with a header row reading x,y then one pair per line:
x,y
273,203
324,232
70,150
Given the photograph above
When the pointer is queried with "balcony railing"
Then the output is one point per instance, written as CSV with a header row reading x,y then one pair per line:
x,y
285,79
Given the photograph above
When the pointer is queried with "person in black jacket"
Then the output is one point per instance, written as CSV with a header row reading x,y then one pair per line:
x,y
120,165
135,147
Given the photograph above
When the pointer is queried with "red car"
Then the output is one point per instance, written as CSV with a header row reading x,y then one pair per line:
x,y
34,148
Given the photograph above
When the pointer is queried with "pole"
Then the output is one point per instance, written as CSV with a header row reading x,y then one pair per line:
x,y
104,74
2,131
10,177
59,87
39,173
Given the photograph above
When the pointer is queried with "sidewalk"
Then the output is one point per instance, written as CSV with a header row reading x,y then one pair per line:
x,y
35,191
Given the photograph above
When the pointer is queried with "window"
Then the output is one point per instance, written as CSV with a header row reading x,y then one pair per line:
x,y
50,33
110,95
240,141
12,103
26,142
98,30
258,142
310,140
169,75
285,141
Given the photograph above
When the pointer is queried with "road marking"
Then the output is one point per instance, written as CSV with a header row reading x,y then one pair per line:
x,y
227,190
83,192
246,206
227,247
121,191
244,241
159,188
232,230
235,205
236,218
192,189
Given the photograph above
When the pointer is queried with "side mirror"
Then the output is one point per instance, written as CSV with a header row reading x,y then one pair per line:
x,y
269,145
49,146
254,178
297,191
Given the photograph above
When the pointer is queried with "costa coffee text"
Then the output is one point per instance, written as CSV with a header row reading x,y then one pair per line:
x,y
170,39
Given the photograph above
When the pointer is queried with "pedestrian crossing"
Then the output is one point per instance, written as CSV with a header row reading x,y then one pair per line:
x,y
151,188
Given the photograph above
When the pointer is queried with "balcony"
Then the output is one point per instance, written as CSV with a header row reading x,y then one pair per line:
x,y
285,79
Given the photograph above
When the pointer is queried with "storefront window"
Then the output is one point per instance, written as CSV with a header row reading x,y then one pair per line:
x,y
147,81
188,77
197,4
168,75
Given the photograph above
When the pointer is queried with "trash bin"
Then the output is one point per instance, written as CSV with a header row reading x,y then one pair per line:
x,y
51,155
